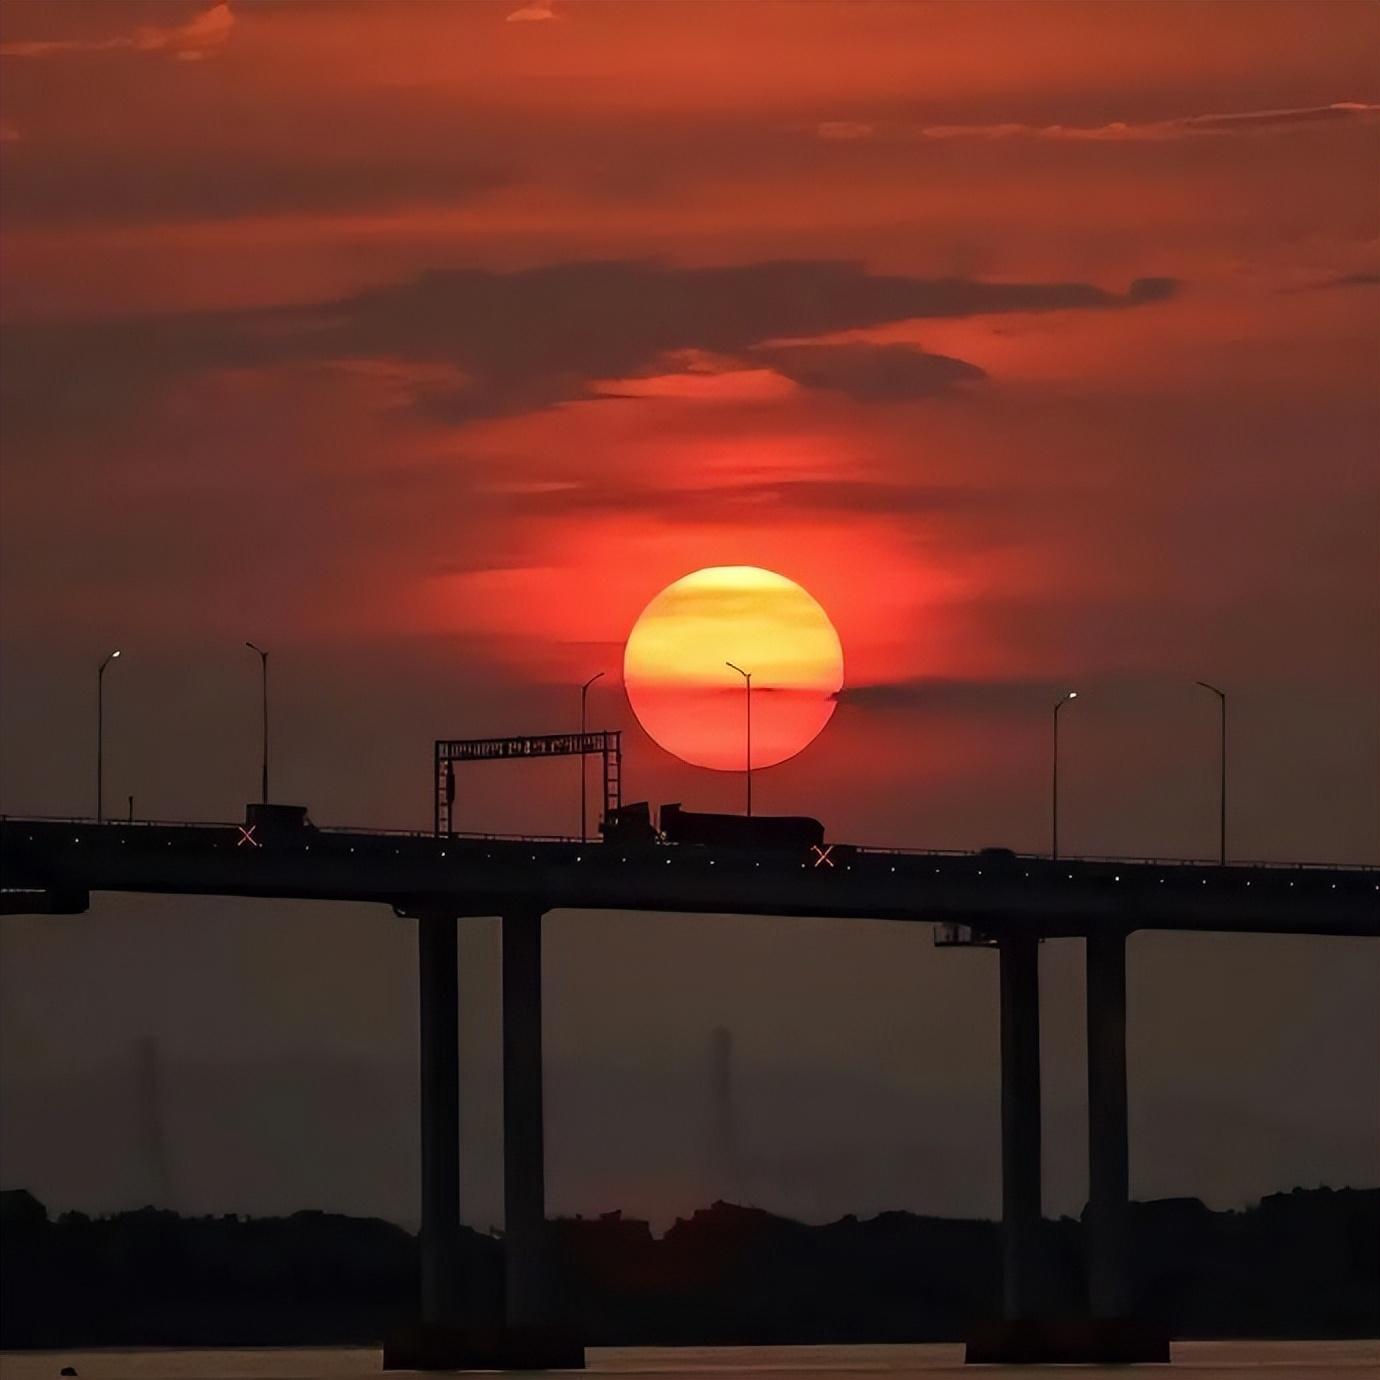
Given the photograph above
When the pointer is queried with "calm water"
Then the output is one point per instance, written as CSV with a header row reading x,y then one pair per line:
x,y
1201,1360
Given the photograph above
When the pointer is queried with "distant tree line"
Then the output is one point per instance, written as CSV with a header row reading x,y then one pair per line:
x,y
1305,1263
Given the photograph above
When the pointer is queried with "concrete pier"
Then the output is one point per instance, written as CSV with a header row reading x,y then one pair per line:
x,y
1020,1123
1107,1225
457,1329
1109,1335
524,1158
440,1066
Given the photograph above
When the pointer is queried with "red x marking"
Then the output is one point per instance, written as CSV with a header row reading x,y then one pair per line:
x,y
823,855
247,836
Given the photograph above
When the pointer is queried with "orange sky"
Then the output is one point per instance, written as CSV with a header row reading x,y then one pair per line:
x,y
1038,342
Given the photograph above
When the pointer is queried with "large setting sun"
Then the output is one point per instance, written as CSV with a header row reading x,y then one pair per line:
x,y
689,699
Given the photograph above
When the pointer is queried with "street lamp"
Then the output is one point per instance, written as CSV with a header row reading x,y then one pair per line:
x,y
584,761
100,734
747,681
1054,802
1222,789
263,663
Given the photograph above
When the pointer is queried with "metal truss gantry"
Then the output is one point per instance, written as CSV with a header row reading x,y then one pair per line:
x,y
605,744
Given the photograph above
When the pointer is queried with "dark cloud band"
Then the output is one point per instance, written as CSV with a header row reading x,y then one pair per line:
x,y
529,339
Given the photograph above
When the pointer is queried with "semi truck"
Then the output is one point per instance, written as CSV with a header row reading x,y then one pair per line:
x,y
633,824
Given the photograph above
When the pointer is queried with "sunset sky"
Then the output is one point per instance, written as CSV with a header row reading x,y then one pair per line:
x,y
424,344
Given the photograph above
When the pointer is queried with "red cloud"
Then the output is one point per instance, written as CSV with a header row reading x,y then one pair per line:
x,y
196,39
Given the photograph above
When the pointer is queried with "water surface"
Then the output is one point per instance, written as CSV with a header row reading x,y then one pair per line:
x,y
1202,1360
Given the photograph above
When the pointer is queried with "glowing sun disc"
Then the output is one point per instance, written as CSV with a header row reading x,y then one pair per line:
x,y
693,705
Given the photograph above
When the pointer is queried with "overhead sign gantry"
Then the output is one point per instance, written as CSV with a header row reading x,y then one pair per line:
x,y
449,751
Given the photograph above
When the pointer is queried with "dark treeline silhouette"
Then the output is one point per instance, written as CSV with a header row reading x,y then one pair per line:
x,y
1305,1263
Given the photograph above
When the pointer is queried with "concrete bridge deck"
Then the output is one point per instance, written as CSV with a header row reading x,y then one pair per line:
x,y
991,891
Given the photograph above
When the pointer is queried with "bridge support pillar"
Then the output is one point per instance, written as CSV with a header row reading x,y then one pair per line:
x,y
1109,1336
1020,1122
440,1064
1107,1223
449,1335
524,1161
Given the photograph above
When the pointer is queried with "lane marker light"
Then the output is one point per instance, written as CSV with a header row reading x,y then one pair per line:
x,y
247,836
822,854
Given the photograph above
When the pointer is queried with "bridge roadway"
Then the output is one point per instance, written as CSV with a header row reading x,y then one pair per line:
x,y
469,875
1008,902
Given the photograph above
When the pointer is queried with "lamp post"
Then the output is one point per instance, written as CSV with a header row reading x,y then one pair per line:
x,y
263,663
1054,800
100,735
747,681
584,696
1222,788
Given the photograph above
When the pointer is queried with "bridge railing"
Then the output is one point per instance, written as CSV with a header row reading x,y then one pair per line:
x,y
454,834
86,821
1122,859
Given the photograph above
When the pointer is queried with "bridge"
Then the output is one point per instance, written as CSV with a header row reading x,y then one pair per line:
x,y
991,898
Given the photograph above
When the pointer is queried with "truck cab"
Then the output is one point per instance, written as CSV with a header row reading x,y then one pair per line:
x,y
277,821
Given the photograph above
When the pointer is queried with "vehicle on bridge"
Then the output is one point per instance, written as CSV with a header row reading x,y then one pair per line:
x,y
632,824
264,822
